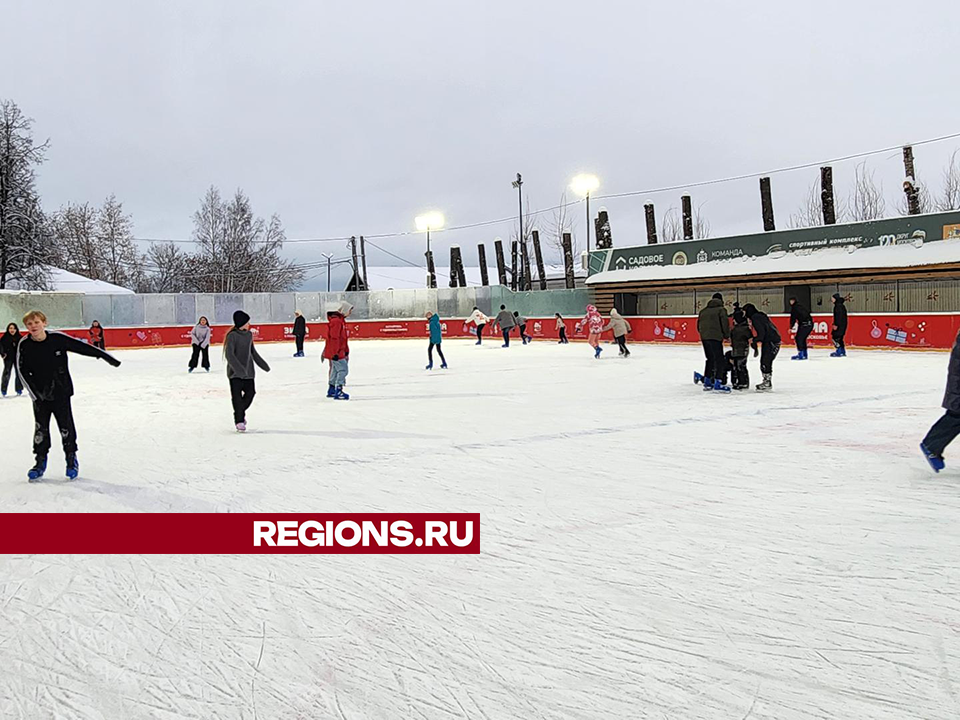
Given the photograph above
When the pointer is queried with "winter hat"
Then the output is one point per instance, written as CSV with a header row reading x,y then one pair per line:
x,y
240,318
717,296
749,309
838,297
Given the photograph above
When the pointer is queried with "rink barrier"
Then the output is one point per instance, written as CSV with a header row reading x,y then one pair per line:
x,y
904,330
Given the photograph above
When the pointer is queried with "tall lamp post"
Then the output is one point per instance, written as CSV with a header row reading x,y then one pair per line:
x,y
329,257
518,184
583,185
425,223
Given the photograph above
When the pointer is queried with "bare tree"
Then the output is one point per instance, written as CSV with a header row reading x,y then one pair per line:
x,y
924,200
950,195
76,229
810,213
25,241
559,223
170,269
866,201
671,226
120,261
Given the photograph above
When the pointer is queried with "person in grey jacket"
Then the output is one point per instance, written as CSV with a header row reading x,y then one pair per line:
x,y
946,429
620,329
200,340
241,357
506,322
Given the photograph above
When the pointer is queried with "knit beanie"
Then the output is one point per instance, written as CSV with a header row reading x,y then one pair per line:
x,y
717,296
240,318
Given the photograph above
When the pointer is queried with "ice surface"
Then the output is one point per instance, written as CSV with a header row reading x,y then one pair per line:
x,y
648,550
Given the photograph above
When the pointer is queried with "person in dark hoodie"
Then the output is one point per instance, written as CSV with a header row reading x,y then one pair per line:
x,y
839,325
801,319
8,351
713,325
337,349
241,357
768,336
506,321
299,332
946,429
42,364
740,338
522,324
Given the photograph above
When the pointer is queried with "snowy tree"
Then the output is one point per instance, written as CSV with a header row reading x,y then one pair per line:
x,y
121,263
950,195
76,229
26,243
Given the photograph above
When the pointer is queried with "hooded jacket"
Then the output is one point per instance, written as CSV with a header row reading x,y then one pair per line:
x,y
241,355
740,338
763,327
200,335
8,346
799,315
592,321
617,323
713,323
436,332
336,346
478,318
300,326
505,320
840,314
951,399
43,365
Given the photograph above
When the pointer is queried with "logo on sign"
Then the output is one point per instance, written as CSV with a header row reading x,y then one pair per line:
x,y
680,258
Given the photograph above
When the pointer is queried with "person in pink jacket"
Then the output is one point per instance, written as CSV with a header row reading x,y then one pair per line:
x,y
593,322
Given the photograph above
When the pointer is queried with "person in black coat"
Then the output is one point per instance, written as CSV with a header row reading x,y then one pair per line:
x,y
801,319
947,427
839,325
299,332
8,351
767,335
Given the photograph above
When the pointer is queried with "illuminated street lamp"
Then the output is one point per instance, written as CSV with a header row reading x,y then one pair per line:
x,y
425,223
583,185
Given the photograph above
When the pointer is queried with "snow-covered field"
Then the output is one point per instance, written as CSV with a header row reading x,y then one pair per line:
x,y
648,550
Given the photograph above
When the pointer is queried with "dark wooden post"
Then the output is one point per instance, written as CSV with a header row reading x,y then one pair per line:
x,y
513,265
651,224
539,258
687,211
910,182
457,266
766,205
568,261
826,196
602,227
453,267
363,260
527,275
431,270
501,264
482,257
356,268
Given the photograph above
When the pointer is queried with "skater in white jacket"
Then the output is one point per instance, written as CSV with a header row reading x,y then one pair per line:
x,y
480,320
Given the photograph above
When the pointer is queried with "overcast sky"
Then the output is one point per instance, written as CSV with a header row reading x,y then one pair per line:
x,y
352,118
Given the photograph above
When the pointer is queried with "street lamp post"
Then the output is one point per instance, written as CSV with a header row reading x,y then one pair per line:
x,y
583,185
329,257
518,184
426,223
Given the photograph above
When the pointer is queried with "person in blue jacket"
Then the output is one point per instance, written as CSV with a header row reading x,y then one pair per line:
x,y
436,337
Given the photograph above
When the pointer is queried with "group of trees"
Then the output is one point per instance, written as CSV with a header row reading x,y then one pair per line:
x,y
233,249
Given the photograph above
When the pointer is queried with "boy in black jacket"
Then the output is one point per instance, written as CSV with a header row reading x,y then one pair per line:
x,y
42,364
740,338
839,325
946,429
769,338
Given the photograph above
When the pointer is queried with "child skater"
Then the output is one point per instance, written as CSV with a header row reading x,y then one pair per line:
x,y
436,337
522,324
946,429
200,341
8,351
96,335
241,357
299,332
337,349
42,364
620,329
480,321
740,338
561,330
594,325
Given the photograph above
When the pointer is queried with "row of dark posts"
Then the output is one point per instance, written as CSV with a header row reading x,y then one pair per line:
x,y
520,277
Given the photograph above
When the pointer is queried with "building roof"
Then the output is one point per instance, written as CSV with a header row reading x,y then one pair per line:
x,y
68,282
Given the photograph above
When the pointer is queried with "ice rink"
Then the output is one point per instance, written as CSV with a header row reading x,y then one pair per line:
x,y
648,550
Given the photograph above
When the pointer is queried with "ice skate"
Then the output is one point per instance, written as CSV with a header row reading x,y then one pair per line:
x,y
73,466
341,395
801,355
37,471
331,391
596,354
719,385
443,366
429,366
241,427
767,384
697,377
936,461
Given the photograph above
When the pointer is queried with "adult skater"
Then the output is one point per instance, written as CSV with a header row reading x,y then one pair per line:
x,y
740,338
337,349
593,322
96,335
713,325
801,319
480,321
42,364
506,322
839,325
200,342
241,357
561,330
522,324
947,427
436,338
768,336
620,329
299,332
8,351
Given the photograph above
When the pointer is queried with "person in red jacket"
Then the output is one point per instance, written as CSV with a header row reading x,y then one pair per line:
x,y
96,335
337,349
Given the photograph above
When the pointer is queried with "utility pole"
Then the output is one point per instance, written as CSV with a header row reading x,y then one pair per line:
x,y
356,271
363,259
524,263
328,256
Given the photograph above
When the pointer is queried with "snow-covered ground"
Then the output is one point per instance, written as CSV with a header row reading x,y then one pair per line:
x,y
648,550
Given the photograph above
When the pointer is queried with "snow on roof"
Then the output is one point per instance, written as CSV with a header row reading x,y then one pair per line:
x,y
841,258
411,278
65,281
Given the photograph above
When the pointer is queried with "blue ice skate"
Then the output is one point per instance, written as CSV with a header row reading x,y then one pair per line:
x,y
596,354
443,366
718,385
331,391
73,466
429,366
936,462
697,377
839,352
37,471
341,395
707,384
801,355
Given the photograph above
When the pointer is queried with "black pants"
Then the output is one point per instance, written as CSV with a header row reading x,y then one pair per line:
x,y
563,336
741,375
61,410
713,368
803,332
9,366
838,339
195,356
942,433
299,339
768,353
506,336
480,332
523,333
443,360
99,344
241,393
622,342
